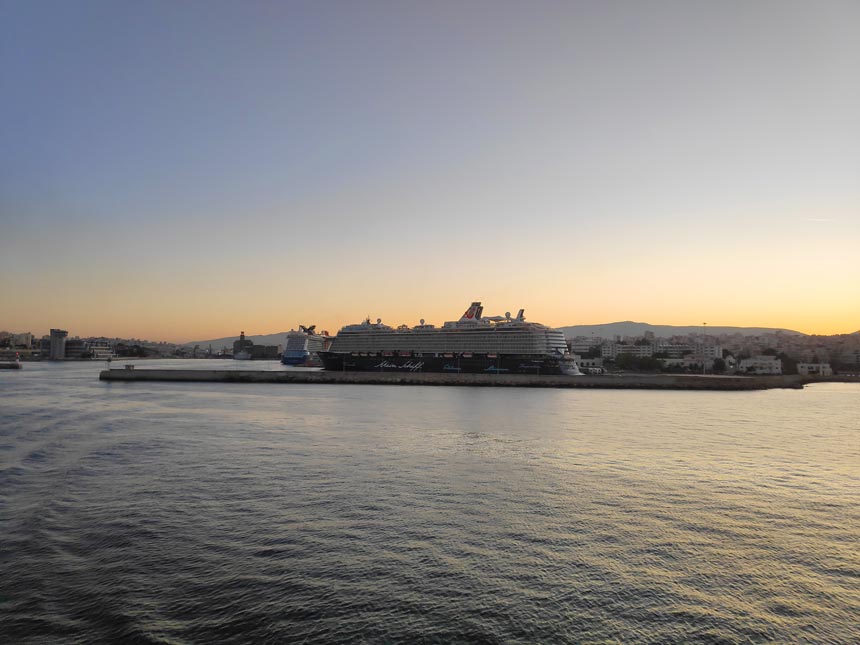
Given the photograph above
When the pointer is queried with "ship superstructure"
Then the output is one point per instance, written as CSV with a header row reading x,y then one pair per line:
x,y
474,343
304,346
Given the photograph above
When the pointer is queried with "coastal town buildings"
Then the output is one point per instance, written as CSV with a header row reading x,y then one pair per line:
x,y
720,351
726,350
660,349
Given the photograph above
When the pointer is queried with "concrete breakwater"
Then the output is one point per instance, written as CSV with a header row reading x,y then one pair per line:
x,y
626,381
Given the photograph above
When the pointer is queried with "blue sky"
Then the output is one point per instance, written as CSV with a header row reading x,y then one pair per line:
x,y
587,160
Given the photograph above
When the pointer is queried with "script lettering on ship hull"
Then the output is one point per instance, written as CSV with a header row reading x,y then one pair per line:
x,y
412,366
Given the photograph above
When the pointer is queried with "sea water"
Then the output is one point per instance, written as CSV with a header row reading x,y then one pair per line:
x,y
190,512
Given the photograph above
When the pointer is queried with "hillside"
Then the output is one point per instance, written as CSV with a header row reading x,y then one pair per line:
x,y
630,328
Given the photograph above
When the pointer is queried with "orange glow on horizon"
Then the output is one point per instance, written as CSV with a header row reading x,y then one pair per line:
x,y
179,326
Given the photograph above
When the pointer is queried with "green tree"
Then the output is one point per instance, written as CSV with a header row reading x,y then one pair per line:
x,y
789,364
644,363
593,352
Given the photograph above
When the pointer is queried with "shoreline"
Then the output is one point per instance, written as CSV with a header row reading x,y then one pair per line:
x,y
625,381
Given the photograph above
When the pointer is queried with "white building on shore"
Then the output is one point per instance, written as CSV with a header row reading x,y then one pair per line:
x,y
761,365
814,369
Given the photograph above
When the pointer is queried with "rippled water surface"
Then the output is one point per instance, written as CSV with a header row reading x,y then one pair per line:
x,y
316,513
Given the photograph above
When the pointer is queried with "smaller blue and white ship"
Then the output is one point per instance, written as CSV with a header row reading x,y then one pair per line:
x,y
303,347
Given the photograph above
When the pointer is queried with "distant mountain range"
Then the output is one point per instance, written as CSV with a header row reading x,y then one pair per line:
x,y
606,330
630,328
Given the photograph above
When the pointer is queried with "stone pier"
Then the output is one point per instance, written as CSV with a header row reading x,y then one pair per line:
x,y
604,381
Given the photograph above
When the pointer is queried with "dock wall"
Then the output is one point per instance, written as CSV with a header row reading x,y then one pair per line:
x,y
626,381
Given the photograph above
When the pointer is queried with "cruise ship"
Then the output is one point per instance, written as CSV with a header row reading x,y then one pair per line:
x,y
304,346
475,343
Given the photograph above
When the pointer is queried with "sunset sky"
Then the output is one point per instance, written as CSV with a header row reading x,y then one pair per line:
x,y
184,170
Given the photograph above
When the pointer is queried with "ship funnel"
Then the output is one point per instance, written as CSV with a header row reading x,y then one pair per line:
x,y
472,313
520,315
